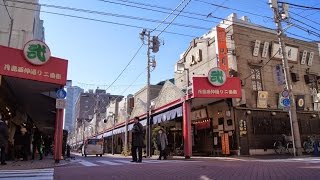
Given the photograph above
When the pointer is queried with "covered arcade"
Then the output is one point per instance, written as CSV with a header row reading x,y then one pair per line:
x,y
29,81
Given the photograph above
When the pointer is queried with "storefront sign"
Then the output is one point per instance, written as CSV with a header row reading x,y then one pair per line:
x,y
291,52
300,102
36,52
222,50
304,57
217,76
262,99
279,75
310,60
60,103
265,49
225,143
13,64
199,114
202,88
256,48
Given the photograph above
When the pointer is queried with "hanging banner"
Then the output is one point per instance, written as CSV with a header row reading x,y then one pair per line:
x,y
262,101
225,143
222,50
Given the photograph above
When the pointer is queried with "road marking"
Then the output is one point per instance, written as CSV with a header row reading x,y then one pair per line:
x,y
87,163
33,174
124,161
109,163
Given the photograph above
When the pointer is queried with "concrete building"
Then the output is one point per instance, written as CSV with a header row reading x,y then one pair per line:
x,y
228,91
73,94
26,24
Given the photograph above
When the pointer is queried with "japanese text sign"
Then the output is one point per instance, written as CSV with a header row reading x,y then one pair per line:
x,y
203,89
13,63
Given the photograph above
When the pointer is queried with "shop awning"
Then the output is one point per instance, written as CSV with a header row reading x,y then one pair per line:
x,y
168,115
122,129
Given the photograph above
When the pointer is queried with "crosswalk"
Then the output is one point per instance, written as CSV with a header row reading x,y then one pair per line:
x,y
33,174
119,162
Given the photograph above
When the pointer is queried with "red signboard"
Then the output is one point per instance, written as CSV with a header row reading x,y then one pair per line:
x,y
222,49
203,89
13,63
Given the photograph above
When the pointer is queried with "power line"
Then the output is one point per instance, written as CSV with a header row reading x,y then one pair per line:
x,y
304,18
110,14
125,66
7,10
155,10
300,36
305,29
174,18
298,5
98,20
169,15
225,7
159,7
303,23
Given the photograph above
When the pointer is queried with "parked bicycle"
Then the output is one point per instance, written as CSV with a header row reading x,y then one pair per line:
x,y
284,145
309,144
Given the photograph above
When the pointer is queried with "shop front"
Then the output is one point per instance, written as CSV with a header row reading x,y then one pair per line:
x,y
29,81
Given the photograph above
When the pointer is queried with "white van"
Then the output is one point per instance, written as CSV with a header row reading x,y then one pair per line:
x,y
92,147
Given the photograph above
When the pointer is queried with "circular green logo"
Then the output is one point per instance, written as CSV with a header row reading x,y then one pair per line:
x,y
36,52
217,76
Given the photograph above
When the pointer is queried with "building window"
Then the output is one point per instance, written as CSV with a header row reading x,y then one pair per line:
x,y
256,78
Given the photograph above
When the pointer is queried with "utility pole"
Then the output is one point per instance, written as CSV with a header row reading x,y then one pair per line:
x,y
278,17
154,46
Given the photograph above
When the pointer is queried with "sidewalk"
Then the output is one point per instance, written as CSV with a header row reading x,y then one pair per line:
x,y
239,158
46,162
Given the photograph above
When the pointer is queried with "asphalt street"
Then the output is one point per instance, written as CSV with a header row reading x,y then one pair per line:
x,y
101,168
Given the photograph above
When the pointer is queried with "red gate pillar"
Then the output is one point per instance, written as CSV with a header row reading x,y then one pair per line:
x,y
58,136
187,130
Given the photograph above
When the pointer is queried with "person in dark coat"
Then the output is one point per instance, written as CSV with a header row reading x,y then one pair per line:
x,y
137,140
4,135
162,143
25,143
37,143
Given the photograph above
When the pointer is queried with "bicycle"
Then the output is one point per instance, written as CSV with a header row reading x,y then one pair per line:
x,y
283,146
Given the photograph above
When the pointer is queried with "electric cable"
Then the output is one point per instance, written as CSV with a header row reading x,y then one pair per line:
x,y
98,20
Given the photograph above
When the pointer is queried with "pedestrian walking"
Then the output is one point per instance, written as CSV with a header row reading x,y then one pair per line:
x,y
137,140
162,143
4,135
37,143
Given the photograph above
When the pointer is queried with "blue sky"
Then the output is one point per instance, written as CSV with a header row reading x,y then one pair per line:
x,y
98,51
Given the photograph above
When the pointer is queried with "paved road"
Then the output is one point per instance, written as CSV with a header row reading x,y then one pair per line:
x,y
33,174
102,168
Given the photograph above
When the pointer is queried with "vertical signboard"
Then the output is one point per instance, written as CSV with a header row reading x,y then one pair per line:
x,y
262,99
225,143
222,49
279,75
300,102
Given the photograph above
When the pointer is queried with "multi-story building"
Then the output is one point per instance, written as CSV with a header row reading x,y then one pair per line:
x,y
73,94
26,24
228,91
